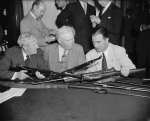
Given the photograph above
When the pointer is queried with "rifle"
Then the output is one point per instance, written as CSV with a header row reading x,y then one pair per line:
x,y
74,69
99,75
116,86
108,74
47,73
95,89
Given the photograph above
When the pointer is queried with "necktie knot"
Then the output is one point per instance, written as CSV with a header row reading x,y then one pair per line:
x,y
64,55
27,60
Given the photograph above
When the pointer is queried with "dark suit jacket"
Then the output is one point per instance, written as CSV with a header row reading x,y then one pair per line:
x,y
112,21
143,40
74,15
75,56
14,57
127,32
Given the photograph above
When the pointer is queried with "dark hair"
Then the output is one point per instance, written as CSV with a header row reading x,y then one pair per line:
x,y
36,3
101,31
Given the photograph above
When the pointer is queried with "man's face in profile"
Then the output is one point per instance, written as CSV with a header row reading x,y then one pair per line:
x,y
32,46
40,10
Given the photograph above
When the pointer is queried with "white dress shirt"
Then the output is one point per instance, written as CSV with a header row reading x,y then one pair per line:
x,y
97,65
61,52
106,7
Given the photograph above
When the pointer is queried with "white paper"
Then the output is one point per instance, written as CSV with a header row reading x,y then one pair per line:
x,y
11,93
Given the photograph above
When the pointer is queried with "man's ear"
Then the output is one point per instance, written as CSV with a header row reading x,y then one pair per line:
x,y
24,47
107,40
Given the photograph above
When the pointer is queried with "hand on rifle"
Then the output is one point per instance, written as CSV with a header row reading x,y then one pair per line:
x,y
125,71
39,75
21,75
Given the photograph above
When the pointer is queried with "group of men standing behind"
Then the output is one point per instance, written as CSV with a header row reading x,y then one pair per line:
x,y
79,30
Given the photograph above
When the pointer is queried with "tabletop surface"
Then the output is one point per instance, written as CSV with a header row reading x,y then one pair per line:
x,y
49,104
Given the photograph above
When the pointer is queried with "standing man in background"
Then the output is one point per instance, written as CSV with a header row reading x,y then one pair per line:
x,y
32,23
110,18
77,15
142,25
127,33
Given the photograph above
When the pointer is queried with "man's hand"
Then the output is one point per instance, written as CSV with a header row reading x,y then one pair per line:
x,y
125,71
148,26
50,39
95,19
21,75
52,31
144,27
39,75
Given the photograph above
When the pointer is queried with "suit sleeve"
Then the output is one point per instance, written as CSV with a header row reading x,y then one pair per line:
x,y
5,64
62,18
124,60
81,56
116,22
25,26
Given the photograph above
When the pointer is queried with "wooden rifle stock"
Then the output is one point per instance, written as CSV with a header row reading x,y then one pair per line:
x,y
107,74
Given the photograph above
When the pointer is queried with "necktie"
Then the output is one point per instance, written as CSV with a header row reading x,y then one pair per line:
x,y
104,63
84,7
63,56
27,61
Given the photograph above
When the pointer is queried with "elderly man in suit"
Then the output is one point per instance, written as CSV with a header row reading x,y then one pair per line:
x,y
32,23
26,54
113,55
65,54
77,15
110,18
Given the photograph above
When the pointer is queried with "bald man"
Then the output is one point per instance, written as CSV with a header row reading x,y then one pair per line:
x,y
32,23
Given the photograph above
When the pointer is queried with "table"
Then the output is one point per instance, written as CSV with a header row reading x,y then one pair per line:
x,y
45,104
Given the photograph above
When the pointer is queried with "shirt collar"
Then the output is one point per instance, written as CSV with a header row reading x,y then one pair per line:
x,y
82,3
24,55
32,15
106,7
106,51
61,51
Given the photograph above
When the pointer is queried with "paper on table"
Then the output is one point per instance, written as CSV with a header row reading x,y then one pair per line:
x,y
11,93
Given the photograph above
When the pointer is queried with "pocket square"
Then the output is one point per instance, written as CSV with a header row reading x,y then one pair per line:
x,y
109,17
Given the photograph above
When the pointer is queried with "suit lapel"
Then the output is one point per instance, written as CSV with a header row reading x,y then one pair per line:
x,y
19,57
108,11
35,23
112,58
53,57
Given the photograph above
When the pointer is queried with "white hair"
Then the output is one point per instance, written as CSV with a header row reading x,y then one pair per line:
x,y
26,38
64,30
